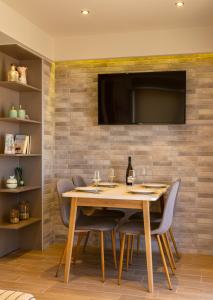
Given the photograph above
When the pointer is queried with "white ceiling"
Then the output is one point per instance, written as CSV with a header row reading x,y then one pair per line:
x,y
63,18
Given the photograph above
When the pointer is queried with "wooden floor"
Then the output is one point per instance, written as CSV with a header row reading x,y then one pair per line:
x,y
34,272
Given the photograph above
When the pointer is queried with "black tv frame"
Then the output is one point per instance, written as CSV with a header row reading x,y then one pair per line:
x,y
140,123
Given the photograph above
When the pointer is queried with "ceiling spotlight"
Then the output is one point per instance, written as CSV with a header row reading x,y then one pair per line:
x,y
179,3
85,11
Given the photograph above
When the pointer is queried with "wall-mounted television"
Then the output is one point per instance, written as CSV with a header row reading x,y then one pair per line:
x,y
142,98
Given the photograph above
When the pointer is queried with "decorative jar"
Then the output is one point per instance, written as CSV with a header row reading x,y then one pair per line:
x,y
11,183
13,113
22,74
14,216
21,113
13,74
24,210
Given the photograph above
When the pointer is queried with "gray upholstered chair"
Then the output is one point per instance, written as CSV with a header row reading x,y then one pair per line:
x,y
78,180
155,217
84,224
96,212
159,231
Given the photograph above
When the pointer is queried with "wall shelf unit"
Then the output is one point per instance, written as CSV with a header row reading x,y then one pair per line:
x,y
18,52
20,225
19,87
18,120
29,96
19,155
19,189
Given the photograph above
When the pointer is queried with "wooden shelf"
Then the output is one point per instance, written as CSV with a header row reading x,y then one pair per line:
x,y
18,52
20,225
30,97
18,120
20,87
19,155
19,189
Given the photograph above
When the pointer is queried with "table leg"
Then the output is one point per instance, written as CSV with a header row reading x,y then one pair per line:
x,y
70,238
147,232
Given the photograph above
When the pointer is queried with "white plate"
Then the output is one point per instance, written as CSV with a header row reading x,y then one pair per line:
x,y
107,184
142,191
87,189
154,185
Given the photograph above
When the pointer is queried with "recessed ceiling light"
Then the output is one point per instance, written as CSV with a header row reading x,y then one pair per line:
x,y
85,11
179,3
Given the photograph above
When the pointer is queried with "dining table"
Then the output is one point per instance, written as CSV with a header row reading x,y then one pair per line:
x,y
122,197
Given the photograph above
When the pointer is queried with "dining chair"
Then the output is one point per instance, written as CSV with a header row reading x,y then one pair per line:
x,y
78,180
156,217
84,224
159,231
117,215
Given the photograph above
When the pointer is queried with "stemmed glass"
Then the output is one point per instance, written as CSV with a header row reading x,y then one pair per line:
x,y
111,175
131,176
143,174
96,179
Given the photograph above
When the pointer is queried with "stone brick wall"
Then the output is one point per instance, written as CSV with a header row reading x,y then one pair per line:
x,y
49,209
167,151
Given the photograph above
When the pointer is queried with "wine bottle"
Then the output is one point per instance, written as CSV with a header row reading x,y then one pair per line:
x,y
129,168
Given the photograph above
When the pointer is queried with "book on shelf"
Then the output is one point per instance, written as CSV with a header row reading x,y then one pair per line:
x,y
9,145
22,144
29,145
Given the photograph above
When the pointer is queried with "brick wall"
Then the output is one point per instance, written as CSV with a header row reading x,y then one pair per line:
x,y
49,208
167,151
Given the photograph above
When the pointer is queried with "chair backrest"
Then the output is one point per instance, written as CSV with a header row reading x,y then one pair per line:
x,y
168,212
64,185
78,181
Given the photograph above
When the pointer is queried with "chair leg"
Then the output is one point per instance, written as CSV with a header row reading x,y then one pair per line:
x,y
123,237
61,260
77,250
174,243
164,261
120,238
113,236
170,250
102,255
138,245
132,249
86,241
167,252
128,251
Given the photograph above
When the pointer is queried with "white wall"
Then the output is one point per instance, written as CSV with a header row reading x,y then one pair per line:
x,y
19,28
5,39
149,42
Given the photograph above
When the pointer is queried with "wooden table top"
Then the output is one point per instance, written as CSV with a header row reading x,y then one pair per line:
x,y
120,192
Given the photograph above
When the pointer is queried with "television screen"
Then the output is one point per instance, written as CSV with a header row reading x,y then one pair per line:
x,y
142,98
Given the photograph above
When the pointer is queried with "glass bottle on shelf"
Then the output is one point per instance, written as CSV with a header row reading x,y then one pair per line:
x,y
14,216
12,74
24,210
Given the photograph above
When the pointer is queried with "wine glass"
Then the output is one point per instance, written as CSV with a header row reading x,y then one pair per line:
x,y
111,175
96,179
131,176
143,171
